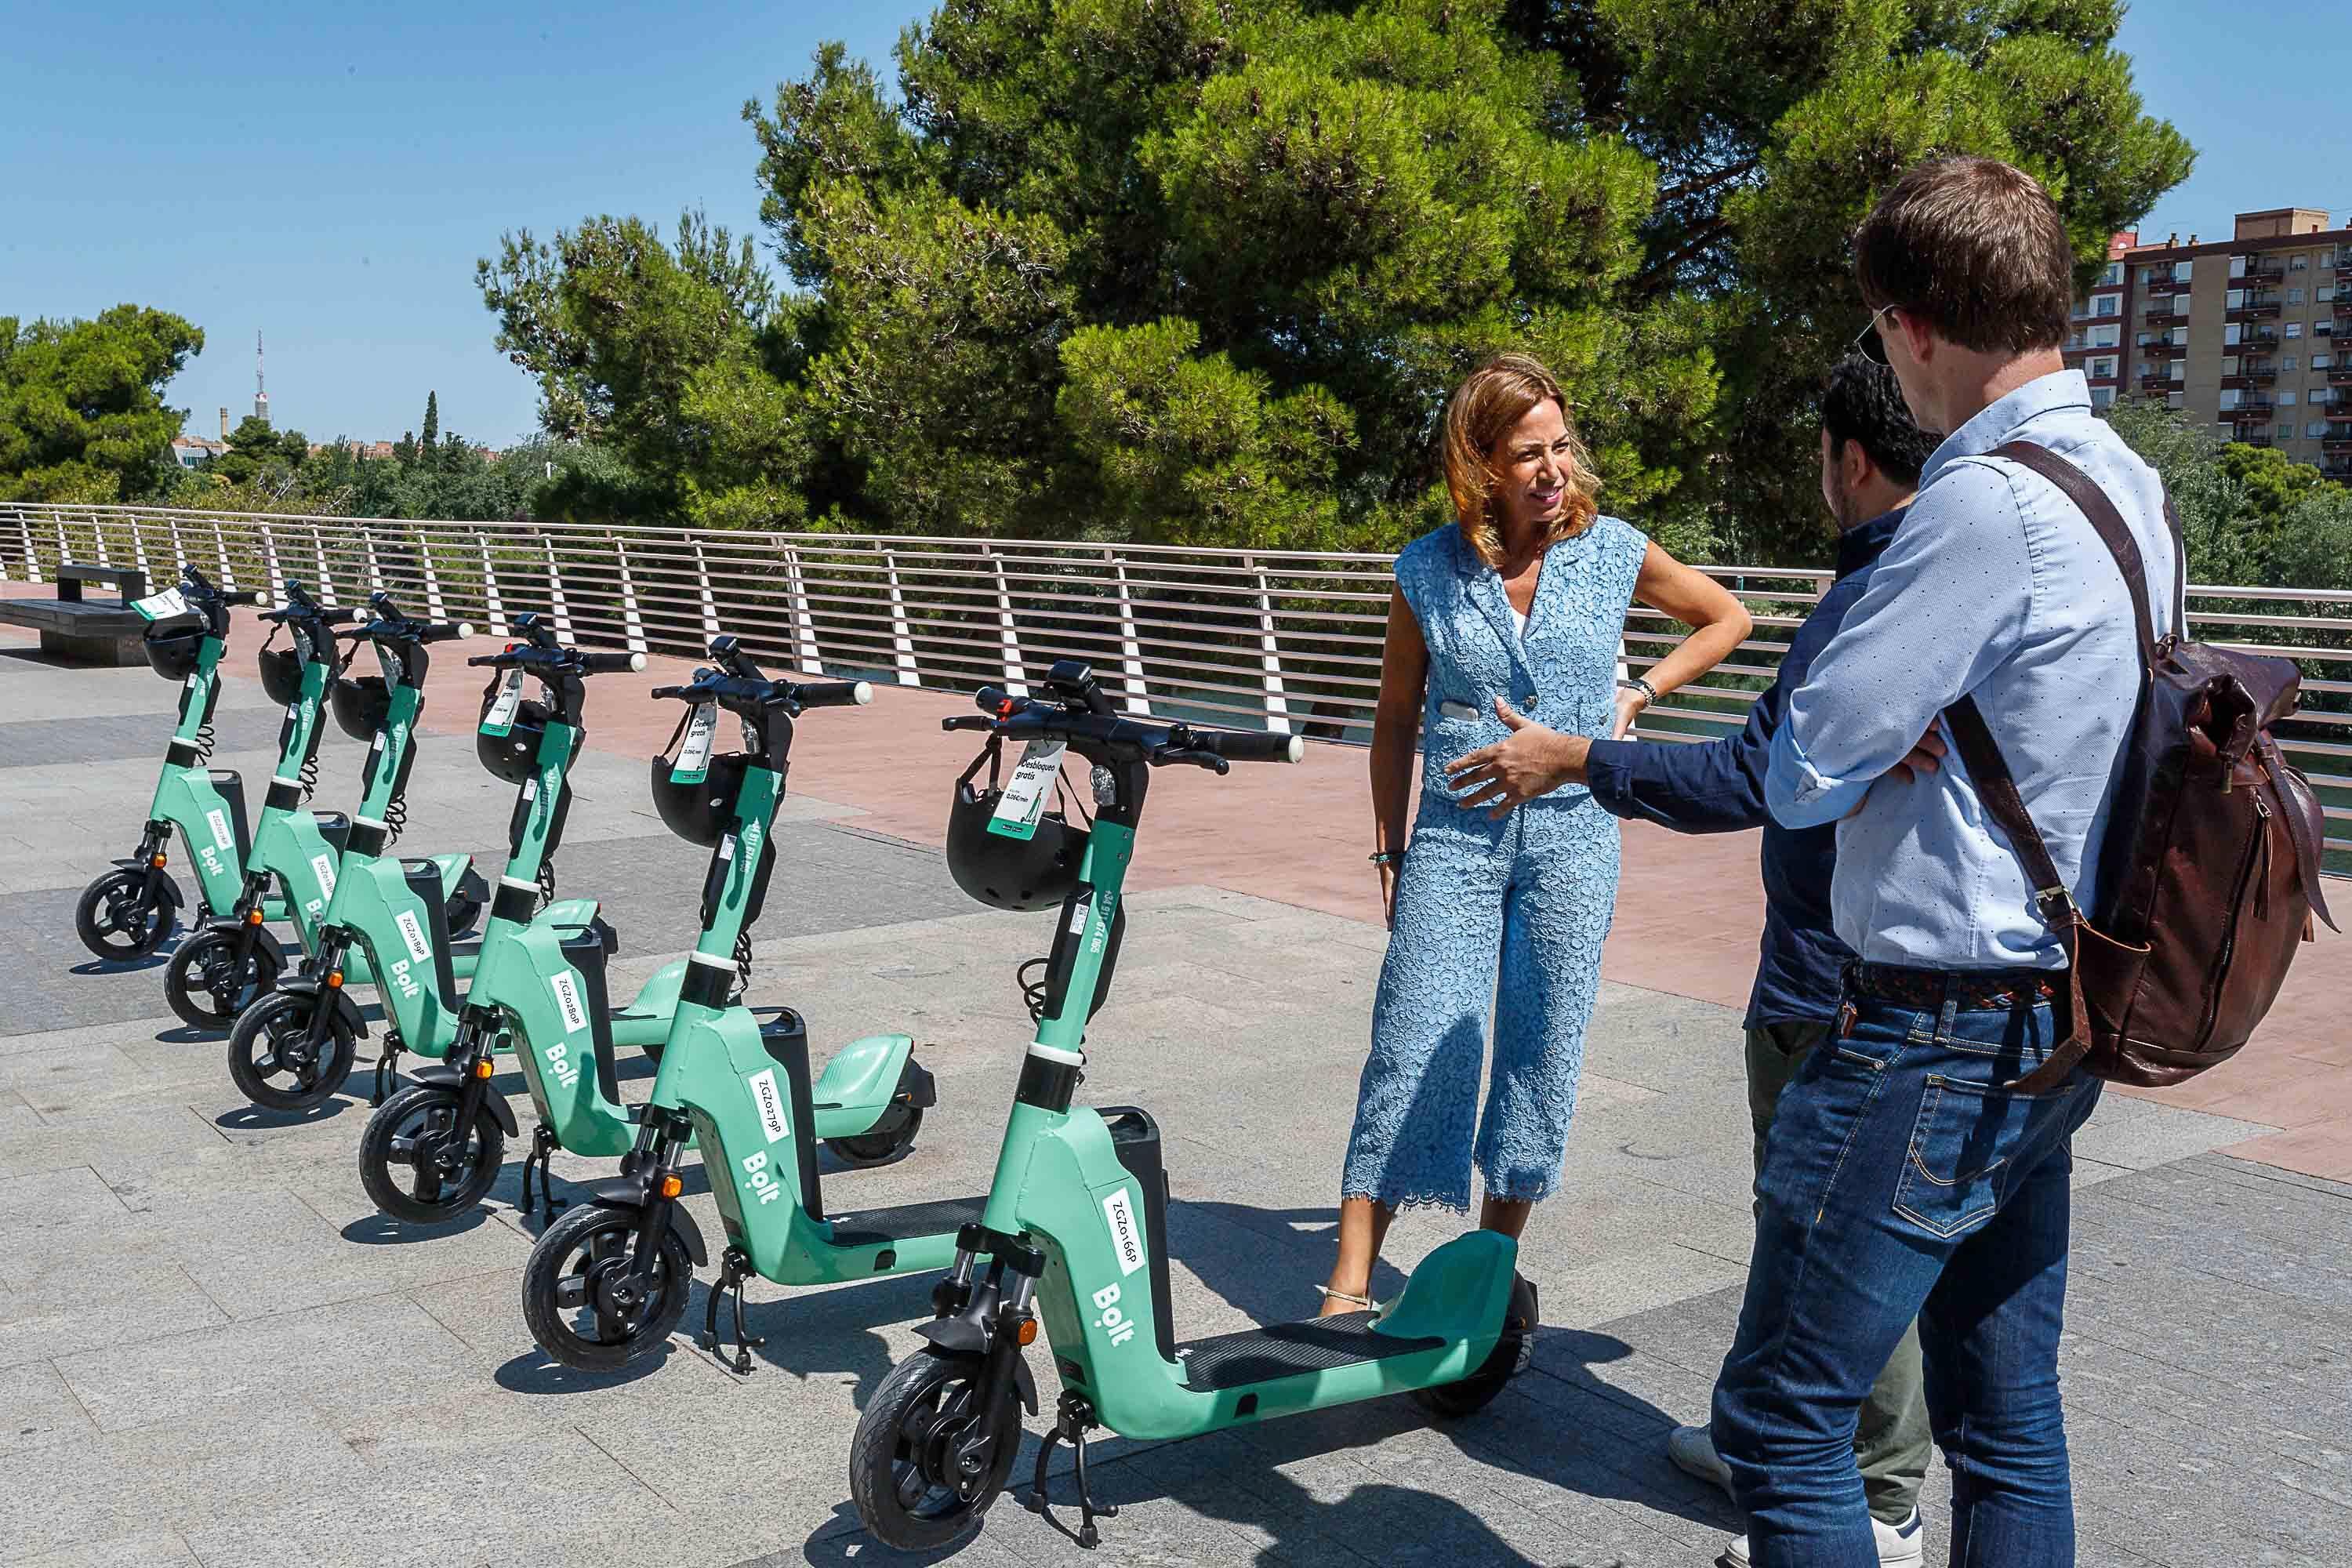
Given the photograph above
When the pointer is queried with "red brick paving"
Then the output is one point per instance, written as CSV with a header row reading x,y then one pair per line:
x,y
1688,909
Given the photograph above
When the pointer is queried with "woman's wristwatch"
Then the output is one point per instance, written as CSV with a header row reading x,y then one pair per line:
x,y
1649,692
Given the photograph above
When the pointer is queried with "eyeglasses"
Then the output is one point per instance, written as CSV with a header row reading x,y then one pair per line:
x,y
1867,342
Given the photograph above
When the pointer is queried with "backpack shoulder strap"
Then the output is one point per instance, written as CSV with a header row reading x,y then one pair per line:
x,y
2106,523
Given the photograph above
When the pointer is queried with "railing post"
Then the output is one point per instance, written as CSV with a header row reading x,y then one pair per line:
x,y
32,561
1008,638
710,601
804,619
632,626
433,607
493,614
555,596
1130,646
376,568
1278,706
220,549
326,583
271,564
902,639
97,534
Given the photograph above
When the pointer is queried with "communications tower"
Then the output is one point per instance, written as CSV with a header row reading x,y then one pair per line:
x,y
260,396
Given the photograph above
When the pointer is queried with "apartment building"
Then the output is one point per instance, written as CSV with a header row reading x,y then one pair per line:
x,y
2240,332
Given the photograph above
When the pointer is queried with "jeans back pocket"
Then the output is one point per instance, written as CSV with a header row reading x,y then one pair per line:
x,y
1964,1144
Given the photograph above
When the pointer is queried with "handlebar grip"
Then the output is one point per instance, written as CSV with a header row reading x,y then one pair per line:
x,y
445,631
338,614
967,721
834,693
245,597
662,691
1249,745
600,663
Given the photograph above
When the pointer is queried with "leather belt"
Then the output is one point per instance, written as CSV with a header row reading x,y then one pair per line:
x,y
1975,990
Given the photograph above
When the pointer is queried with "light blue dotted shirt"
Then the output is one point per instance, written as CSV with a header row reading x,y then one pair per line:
x,y
1995,585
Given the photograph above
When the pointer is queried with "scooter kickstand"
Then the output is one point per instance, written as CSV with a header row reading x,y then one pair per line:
x,y
733,1269
1072,1420
387,1072
542,1145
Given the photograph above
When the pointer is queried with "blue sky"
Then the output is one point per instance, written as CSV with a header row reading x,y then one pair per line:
x,y
329,174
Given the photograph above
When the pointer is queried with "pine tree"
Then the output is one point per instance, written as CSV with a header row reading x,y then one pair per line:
x,y
432,437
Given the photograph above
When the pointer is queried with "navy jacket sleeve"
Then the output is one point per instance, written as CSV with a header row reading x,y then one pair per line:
x,y
1715,786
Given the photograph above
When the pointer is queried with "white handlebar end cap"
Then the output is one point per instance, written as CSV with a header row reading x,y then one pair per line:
x,y
864,694
465,628
1297,751
637,663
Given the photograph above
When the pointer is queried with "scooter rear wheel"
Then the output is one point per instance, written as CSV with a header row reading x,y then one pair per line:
x,y
889,1138
568,1290
1468,1395
115,921
208,985
902,1473
272,1062
406,1163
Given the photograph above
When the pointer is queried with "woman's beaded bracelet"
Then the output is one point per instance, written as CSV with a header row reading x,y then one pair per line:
x,y
1386,856
1649,692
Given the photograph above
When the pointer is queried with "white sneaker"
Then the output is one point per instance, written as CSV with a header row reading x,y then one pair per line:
x,y
1693,1452
1899,1546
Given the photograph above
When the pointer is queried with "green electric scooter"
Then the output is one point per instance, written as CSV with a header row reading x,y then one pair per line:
x,y
609,1280
223,968
433,1150
292,1049
1078,1210
131,911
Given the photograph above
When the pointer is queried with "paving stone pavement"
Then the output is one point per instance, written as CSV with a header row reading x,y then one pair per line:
x,y
213,1351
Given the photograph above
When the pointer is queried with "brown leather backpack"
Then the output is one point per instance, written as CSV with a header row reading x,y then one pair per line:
x,y
2211,871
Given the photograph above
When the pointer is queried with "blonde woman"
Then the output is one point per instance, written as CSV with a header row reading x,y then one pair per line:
x,y
1503,636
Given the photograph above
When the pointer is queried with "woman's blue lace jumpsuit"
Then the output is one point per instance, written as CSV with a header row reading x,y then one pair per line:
x,y
1507,915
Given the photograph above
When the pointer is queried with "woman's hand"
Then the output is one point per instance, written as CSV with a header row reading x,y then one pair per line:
x,y
1629,703
1530,761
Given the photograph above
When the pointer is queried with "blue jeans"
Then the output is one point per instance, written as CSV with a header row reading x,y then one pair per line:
x,y
1901,1181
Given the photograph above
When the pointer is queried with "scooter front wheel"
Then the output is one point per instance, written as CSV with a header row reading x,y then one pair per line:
x,y
889,1138
580,1300
904,1472
208,985
116,921
273,1061
419,1165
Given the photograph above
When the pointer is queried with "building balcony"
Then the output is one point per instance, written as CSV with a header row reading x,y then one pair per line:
x,y
2165,320
2254,310
2253,344
2244,379
2340,375
2340,471
2158,288
2161,351
2251,408
2252,437
2261,269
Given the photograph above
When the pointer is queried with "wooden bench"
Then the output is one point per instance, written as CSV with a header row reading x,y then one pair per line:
x,y
87,631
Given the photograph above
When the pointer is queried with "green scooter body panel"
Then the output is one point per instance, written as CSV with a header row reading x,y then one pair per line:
x,y
373,900
544,1002
644,1022
740,1102
187,798
858,1083
1101,1321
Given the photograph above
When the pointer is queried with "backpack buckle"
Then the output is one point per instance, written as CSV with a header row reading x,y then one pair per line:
x,y
2056,906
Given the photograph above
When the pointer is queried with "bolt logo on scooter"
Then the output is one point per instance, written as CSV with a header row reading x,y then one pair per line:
x,y
1076,1231
434,1150
609,1280
131,911
292,1049
217,974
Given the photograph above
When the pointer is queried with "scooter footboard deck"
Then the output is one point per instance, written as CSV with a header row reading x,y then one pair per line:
x,y
1319,1344
906,1221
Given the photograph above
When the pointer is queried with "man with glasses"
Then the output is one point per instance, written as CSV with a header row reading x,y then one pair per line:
x,y
1906,1176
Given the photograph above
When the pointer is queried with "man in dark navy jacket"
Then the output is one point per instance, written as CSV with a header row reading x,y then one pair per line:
x,y
1871,457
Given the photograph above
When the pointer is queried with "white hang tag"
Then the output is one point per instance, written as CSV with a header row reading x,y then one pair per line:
x,y
694,754
223,839
1023,804
502,716
163,606
324,866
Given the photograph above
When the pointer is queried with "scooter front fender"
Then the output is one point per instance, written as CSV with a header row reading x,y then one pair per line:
x,y
443,1076
347,1009
166,891
961,1336
622,1193
858,1083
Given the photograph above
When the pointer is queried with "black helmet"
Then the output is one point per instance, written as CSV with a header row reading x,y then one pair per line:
x,y
700,812
362,703
510,756
281,674
1033,873
172,647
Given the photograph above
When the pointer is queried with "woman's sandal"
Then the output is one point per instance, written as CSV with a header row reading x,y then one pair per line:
x,y
1362,1303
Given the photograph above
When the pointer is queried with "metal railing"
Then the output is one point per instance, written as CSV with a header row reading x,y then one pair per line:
x,y
1285,640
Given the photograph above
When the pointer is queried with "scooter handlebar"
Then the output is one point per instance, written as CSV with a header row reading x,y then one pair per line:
x,y
1247,745
245,597
603,663
834,693
447,631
